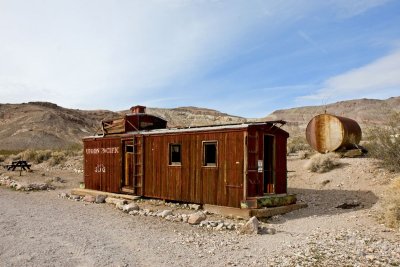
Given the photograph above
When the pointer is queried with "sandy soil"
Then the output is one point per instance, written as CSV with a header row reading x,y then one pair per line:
x,y
40,229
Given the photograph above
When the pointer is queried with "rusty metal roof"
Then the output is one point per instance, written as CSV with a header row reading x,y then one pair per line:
x,y
230,126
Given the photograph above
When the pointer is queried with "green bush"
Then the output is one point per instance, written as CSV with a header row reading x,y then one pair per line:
x,y
323,162
383,143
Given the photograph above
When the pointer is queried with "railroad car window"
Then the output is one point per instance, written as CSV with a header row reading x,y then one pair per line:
x,y
129,149
210,153
174,154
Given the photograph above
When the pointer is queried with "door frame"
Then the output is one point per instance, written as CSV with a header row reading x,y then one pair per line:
x,y
124,182
266,179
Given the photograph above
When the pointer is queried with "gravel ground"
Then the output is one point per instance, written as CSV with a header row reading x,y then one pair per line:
x,y
40,229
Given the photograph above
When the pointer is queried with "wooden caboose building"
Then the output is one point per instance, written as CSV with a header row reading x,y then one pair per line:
x,y
234,165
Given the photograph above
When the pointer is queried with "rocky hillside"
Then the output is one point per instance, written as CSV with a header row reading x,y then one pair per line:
x,y
47,125
367,112
193,116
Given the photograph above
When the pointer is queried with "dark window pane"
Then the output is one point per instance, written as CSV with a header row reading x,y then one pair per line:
x,y
129,149
174,154
210,154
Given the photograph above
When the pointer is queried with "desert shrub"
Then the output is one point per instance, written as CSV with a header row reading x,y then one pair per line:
x,y
42,155
7,153
323,162
74,150
391,205
383,143
2,158
13,157
305,154
57,157
297,143
28,155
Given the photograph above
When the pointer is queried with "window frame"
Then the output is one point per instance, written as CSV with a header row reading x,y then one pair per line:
x,y
174,163
204,144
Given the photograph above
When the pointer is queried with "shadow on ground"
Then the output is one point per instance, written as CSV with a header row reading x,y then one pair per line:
x,y
327,202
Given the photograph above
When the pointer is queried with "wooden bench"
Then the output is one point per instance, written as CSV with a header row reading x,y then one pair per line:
x,y
22,164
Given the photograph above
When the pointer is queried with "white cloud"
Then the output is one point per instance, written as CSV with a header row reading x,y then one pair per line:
x,y
379,78
85,53
100,48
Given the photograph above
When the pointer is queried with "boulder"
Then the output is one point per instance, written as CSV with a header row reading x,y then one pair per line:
x,y
75,197
19,187
194,206
130,207
100,198
251,227
120,205
219,227
353,153
113,200
165,213
89,198
197,217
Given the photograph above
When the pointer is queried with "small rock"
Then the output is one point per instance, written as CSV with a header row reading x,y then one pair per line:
x,y
194,206
89,198
349,204
75,197
251,227
120,205
185,218
219,227
270,231
325,182
169,217
213,224
64,195
100,199
19,187
203,223
134,212
114,201
130,207
370,257
165,213
197,217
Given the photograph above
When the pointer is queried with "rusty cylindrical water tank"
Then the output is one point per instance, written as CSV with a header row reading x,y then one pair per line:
x,y
327,133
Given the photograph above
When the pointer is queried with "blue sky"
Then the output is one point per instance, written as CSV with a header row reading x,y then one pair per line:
x,y
246,58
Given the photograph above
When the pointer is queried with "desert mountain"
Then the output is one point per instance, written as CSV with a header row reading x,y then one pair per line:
x,y
367,112
47,125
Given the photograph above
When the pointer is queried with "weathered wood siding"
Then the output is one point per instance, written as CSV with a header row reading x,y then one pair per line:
x,y
102,164
191,181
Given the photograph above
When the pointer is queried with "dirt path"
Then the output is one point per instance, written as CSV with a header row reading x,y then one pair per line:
x,y
40,229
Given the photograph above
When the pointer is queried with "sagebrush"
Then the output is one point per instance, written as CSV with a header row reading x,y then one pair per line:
x,y
323,162
383,143
391,205
296,144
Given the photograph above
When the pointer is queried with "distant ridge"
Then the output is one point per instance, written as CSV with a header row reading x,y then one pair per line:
x,y
47,125
367,112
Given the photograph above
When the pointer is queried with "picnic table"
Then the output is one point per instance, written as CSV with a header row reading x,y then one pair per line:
x,y
22,164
